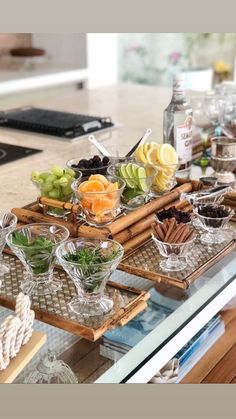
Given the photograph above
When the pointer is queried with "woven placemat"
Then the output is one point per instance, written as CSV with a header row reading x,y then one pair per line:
x,y
145,260
54,309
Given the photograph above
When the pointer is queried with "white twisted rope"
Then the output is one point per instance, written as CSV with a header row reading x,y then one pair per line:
x,y
16,331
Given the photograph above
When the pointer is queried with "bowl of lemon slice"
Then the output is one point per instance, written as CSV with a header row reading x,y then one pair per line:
x,y
164,159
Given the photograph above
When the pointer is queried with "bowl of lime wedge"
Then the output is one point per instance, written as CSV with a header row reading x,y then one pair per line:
x,y
138,180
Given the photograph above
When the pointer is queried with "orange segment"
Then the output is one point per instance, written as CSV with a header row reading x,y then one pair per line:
x,y
81,186
91,186
102,205
112,187
86,204
101,178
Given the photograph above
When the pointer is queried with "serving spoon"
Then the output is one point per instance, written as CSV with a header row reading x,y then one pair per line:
x,y
104,151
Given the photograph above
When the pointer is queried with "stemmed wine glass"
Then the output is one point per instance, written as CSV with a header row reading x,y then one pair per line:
x,y
212,109
227,116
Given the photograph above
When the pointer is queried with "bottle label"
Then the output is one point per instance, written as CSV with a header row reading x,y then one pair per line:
x,y
183,138
178,85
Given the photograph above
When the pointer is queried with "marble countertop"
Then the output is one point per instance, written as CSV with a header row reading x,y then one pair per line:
x,y
136,107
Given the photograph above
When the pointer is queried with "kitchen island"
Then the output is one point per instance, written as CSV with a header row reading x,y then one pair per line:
x,y
136,108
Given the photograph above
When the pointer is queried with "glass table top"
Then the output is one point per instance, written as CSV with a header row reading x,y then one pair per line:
x,y
169,311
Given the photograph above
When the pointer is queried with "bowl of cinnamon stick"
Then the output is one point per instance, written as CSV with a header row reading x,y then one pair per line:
x,y
173,240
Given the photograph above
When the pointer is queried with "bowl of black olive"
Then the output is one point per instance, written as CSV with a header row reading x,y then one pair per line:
x,y
90,165
213,218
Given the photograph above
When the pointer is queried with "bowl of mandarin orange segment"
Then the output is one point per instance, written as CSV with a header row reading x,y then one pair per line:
x,y
99,198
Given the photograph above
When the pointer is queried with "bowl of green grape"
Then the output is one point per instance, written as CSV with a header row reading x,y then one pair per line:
x,y
55,184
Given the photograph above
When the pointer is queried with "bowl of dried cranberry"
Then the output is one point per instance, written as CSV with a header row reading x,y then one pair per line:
x,y
173,212
90,165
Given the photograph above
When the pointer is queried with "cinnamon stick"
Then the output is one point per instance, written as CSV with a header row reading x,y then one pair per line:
x,y
137,240
134,229
93,232
27,217
160,232
171,227
184,234
196,184
229,202
176,233
134,216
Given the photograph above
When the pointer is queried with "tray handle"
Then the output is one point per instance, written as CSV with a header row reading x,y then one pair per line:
x,y
139,307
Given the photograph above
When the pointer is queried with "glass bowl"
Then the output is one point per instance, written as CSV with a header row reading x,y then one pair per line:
x,y
99,208
213,225
165,178
137,187
87,171
8,223
175,254
55,191
35,246
90,278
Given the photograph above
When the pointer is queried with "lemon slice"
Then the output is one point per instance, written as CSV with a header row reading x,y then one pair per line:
x,y
152,156
160,186
140,154
167,154
146,148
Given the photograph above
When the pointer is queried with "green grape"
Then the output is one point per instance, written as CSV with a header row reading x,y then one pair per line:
x,y
44,175
63,181
55,194
35,175
57,171
47,187
66,190
70,172
50,179
67,176
39,181
56,183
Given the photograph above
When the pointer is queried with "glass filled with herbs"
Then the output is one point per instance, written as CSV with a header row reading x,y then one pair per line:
x,y
8,222
35,246
90,263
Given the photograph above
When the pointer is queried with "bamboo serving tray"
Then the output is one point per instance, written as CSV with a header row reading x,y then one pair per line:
x,y
144,261
53,309
133,231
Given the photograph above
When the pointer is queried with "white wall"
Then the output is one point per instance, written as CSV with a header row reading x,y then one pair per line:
x,y
64,49
98,52
102,59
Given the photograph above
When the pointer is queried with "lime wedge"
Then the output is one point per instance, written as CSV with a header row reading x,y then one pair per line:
x,y
126,177
142,179
135,168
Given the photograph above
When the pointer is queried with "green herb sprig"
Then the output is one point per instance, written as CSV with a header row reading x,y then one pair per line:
x,y
87,256
37,252
89,260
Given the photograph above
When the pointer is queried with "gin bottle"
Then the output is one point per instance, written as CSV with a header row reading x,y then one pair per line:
x,y
178,125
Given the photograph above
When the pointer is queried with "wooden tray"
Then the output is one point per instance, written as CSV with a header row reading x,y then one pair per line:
x,y
53,309
144,261
25,355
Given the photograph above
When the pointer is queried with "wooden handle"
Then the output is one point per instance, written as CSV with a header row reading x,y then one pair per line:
x,y
74,208
30,217
140,306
